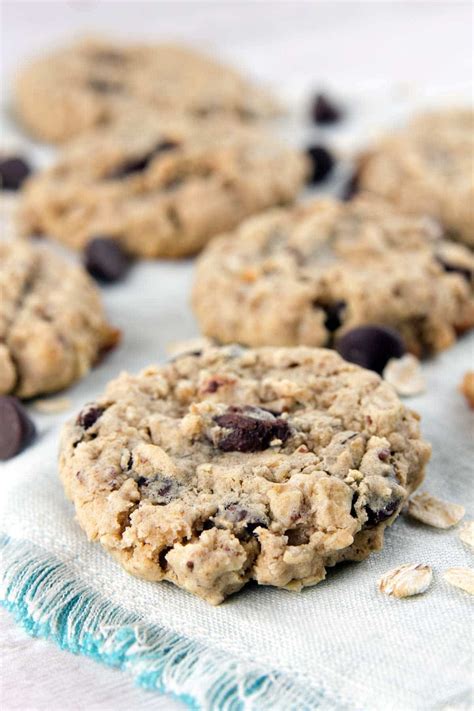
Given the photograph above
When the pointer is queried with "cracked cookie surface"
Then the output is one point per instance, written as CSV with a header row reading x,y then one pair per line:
x,y
428,168
94,81
231,465
309,274
162,188
52,324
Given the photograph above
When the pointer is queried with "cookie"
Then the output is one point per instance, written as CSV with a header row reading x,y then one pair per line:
x,y
52,324
162,188
233,465
308,275
94,81
427,168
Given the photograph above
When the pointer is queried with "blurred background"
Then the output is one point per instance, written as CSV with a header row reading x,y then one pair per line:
x,y
295,42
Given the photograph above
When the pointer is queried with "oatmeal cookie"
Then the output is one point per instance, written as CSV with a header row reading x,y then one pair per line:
x,y
162,188
428,168
94,81
230,465
52,324
309,274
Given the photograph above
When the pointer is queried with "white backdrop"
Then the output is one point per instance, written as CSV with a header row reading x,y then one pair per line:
x,y
287,44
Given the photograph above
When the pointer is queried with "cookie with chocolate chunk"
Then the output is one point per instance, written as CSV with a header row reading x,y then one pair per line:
x,y
52,323
94,81
427,168
160,187
232,465
310,274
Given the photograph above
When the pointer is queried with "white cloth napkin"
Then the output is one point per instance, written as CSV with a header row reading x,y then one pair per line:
x,y
339,645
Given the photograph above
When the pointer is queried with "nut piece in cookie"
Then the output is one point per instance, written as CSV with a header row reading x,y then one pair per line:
x,y
231,465
362,276
52,323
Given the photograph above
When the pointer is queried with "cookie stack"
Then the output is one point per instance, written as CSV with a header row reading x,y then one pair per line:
x,y
276,458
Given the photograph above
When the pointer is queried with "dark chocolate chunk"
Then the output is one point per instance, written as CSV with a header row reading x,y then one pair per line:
x,y
322,163
13,172
89,416
105,259
244,519
159,490
137,165
104,86
455,268
371,346
333,319
376,516
324,110
350,187
16,428
249,429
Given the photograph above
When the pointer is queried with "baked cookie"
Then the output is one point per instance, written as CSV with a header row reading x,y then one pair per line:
x,y
52,325
233,465
310,274
162,188
428,168
94,81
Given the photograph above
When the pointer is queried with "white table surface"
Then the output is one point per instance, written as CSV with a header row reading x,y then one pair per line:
x,y
290,43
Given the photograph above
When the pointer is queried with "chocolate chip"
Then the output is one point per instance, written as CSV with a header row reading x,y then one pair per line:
x,y
322,162
159,490
105,259
16,428
249,429
13,172
163,563
455,268
104,86
137,165
243,518
333,318
324,110
371,346
376,516
190,565
89,416
350,187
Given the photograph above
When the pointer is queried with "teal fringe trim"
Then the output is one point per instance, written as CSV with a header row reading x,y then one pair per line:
x,y
49,601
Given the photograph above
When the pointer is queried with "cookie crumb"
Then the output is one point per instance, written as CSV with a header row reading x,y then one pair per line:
x,y
52,406
404,374
467,388
433,511
462,578
406,580
466,533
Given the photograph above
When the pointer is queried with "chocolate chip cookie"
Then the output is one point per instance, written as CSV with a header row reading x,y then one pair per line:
x,y
428,168
162,188
308,275
94,81
230,465
52,324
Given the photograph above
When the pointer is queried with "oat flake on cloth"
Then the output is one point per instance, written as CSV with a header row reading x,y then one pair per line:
x,y
339,645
